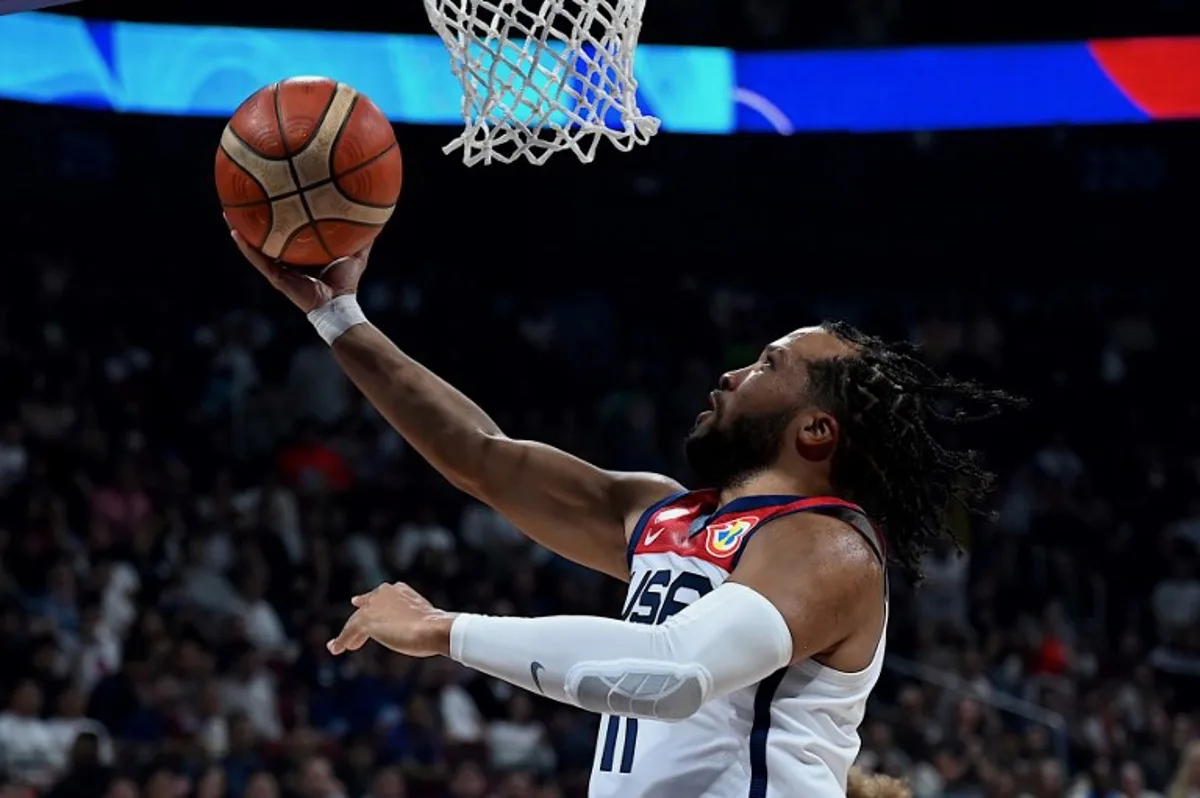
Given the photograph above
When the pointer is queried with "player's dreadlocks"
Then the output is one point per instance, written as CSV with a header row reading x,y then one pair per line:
x,y
889,404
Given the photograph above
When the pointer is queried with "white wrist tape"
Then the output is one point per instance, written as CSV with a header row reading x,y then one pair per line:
x,y
729,639
336,316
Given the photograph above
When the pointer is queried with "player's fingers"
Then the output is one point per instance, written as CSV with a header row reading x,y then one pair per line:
x,y
270,270
352,637
362,598
347,642
279,275
334,265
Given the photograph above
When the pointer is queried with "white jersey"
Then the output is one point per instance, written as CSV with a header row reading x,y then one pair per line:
x,y
793,735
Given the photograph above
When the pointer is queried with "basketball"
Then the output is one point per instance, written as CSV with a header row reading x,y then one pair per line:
x,y
308,171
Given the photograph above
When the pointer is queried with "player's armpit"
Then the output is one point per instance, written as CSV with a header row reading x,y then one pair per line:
x,y
566,504
826,582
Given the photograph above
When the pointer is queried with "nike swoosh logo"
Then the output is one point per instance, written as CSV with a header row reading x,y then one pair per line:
x,y
653,536
534,667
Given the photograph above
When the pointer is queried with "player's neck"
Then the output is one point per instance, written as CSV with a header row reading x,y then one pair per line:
x,y
774,482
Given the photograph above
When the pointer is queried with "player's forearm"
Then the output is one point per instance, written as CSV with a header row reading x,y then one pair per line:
x,y
729,639
447,428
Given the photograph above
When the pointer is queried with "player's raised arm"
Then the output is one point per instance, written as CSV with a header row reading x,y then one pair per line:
x,y
570,506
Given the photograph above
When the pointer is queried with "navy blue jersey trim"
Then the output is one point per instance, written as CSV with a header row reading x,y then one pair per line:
x,y
636,536
756,502
821,509
763,698
742,505
631,732
610,744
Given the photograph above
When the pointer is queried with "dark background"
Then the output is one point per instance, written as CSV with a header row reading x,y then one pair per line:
x,y
148,370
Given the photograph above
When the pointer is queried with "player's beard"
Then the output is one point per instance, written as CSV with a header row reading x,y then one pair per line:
x,y
723,458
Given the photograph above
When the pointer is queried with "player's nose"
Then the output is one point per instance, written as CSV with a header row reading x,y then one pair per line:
x,y
730,380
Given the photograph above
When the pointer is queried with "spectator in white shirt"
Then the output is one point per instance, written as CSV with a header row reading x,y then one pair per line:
x,y
260,622
423,533
120,585
30,748
250,688
70,722
520,741
461,719
204,588
98,651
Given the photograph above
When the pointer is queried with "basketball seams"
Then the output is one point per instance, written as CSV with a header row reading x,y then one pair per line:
x,y
357,223
366,163
296,173
287,242
320,120
249,204
254,149
331,155
337,186
318,184
254,179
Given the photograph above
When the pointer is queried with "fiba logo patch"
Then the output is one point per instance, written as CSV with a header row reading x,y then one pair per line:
x,y
725,537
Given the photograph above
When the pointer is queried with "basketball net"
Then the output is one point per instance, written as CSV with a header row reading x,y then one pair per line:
x,y
536,82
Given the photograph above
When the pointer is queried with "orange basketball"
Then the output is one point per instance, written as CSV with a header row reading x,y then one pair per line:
x,y
308,171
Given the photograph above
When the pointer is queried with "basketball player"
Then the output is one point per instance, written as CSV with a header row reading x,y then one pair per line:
x,y
755,621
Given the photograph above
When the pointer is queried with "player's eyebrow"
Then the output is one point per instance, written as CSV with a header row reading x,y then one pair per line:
x,y
774,349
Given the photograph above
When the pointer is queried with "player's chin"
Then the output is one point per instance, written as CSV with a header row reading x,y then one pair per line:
x,y
703,422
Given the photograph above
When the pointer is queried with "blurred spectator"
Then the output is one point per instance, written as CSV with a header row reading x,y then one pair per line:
x,y
250,687
520,741
422,534
31,750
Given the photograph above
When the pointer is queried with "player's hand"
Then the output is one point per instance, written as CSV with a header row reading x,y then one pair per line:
x,y
398,617
307,292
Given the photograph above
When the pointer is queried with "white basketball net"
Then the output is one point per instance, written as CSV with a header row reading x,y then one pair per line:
x,y
540,76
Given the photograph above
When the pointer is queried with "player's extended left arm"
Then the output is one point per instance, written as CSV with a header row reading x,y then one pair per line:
x,y
731,638
801,588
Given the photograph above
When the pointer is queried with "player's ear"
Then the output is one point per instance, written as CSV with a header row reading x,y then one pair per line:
x,y
816,435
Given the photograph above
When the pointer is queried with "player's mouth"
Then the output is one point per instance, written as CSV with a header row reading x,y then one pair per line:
x,y
713,408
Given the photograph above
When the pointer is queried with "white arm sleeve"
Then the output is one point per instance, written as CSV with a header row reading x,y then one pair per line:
x,y
728,639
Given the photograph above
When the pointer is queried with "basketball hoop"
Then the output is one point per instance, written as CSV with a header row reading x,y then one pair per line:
x,y
536,82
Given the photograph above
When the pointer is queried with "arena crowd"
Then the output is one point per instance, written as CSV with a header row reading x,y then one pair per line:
x,y
189,496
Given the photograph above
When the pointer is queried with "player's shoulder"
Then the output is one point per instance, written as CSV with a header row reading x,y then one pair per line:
x,y
819,537
635,492
826,524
